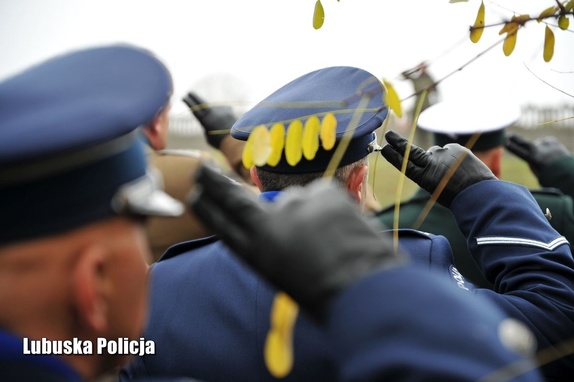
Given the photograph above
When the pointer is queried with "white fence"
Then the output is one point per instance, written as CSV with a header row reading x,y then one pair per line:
x,y
534,117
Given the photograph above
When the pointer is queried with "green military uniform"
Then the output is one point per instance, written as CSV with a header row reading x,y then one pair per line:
x,y
441,222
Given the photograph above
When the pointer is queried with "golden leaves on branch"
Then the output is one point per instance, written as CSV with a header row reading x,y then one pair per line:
x,y
560,12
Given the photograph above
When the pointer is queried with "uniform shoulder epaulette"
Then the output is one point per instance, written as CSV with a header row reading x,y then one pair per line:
x,y
187,246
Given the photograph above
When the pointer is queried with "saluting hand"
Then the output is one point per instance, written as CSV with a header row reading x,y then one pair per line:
x,y
429,168
537,154
216,121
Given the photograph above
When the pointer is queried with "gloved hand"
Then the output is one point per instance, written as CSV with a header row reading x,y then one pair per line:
x,y
310,242
428,168
537,154
216,121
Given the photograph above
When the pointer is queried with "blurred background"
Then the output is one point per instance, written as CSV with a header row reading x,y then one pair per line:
x,y
237,52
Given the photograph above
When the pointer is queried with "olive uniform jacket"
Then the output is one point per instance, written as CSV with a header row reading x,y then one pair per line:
x,y
176,170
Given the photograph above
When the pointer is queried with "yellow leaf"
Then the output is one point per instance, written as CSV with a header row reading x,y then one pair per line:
x,y
293,142
261,145
311,137
318,15
328,131
247,155
509,43
283,311
478,26
392,99
569,5
563,22
510,28
277,144
548,44
547,13
278,350
278,355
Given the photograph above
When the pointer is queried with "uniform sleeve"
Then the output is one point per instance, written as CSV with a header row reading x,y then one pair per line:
x,y
408,324
529,263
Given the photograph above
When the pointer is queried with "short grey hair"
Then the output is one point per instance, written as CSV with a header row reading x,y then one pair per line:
x,y
272,181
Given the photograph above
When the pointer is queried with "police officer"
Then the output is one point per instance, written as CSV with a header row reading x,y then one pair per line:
x,y
387,319
217,324
382,322
225,322
74,189
481,125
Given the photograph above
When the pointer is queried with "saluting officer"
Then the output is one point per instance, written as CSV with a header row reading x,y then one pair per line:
x,y
391,320
213,318
211,314
479,124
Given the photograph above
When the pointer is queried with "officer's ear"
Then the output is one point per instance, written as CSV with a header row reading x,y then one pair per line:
x,y
356,182
492,158
89,288
255,177
156,131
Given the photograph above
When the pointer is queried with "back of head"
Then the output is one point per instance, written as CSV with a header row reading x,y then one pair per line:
x,y
315,124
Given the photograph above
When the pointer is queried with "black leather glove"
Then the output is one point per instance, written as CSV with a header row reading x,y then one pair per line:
x,y
216,121
311,242
428,168
537,154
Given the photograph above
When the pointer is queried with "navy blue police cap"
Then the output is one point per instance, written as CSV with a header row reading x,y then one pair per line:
x,y
69,148
354,96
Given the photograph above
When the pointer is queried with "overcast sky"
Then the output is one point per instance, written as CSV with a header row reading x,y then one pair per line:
x,y
266,43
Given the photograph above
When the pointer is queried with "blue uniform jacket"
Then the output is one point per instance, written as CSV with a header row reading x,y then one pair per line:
x,y
378,327
210,314
531,268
